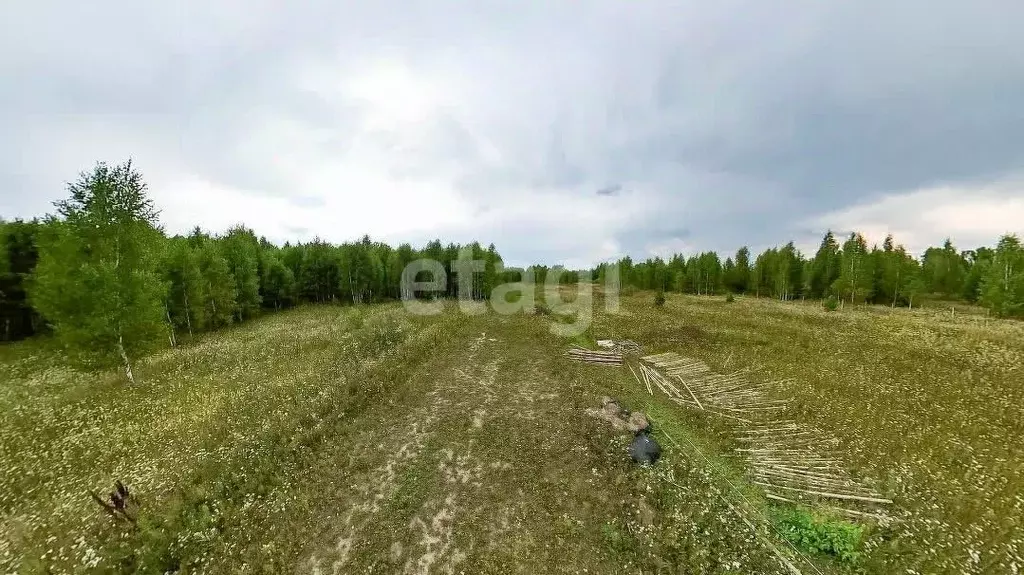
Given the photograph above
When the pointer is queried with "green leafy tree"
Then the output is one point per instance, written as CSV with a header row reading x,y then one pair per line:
x,y
376,272
241,250
979,262
943,270
704,274
185,294
19,254
218,285
856,274
762,272
787,273
96,280
358,272
278,282
675,271
292,256
1003,287
397,261
916,287
894,269
320,271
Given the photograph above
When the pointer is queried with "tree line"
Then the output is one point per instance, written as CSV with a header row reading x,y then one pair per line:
x,y
850,272
104,277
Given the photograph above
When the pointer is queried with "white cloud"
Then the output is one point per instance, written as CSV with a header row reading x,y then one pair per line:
x,y
971,215
392,211
665,250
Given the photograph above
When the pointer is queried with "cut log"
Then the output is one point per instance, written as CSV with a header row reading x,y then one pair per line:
x,y
697,401
878,516
848,496
649,390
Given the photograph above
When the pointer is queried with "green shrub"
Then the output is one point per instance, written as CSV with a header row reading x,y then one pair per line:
x,y
380,333
813,534
730,298
659,299
831,304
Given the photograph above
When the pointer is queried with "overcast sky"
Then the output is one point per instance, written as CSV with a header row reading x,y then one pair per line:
x,y
561,131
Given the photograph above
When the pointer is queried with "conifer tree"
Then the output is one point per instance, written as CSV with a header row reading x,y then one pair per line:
x,y
741,276
492,270
825,267
729,274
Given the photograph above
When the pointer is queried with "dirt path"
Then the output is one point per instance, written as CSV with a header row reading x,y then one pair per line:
x,y
491,466
426,541
481,472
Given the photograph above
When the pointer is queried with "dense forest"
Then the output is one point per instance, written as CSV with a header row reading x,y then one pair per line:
x,y
104,277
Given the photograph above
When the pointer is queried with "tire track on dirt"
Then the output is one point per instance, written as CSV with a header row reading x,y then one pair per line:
x,y
432,526
492,468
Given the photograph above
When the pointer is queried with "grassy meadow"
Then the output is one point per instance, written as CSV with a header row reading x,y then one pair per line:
x,y
365,439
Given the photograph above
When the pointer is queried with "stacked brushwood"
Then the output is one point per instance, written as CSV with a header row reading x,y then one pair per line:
x,y
590,356
791,460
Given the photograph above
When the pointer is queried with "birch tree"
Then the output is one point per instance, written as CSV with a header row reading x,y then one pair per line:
x,y
979,261
278,282
96,281
320,272
218,285
856,276
185,293
1002,289
242,252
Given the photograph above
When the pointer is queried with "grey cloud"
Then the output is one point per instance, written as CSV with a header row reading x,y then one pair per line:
x,y
740,121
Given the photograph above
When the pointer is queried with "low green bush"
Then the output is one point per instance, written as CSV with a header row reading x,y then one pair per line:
x,y
826,536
